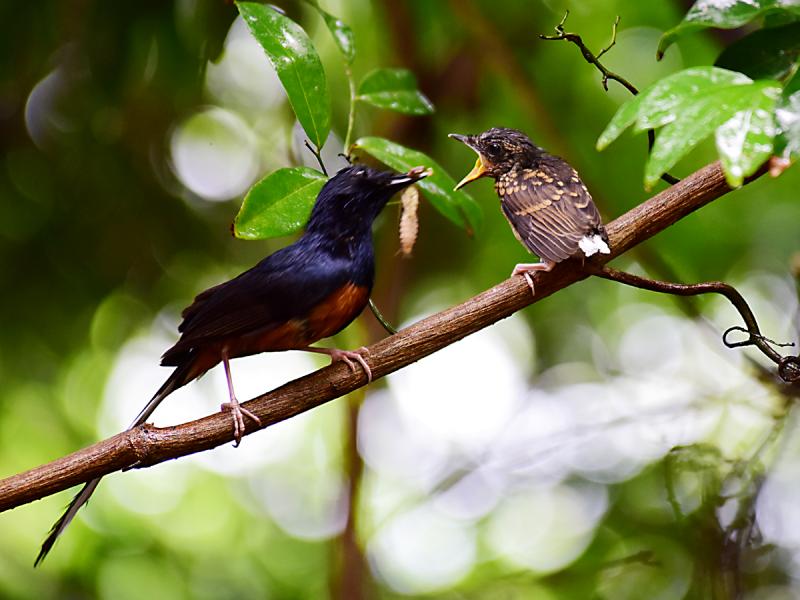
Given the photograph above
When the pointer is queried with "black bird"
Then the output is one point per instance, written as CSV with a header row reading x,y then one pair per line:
x,y
302,293
547,205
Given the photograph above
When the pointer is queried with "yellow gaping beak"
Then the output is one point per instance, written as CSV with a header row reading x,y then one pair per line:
x,y
481,166
479,170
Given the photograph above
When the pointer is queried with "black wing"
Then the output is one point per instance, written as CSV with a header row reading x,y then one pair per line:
x,y
549,208
284,286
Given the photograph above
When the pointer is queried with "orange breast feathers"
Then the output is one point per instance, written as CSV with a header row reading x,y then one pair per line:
x,y
336,311
330,316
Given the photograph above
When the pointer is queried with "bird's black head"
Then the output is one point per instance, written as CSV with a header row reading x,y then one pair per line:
x,y
351,200
499,150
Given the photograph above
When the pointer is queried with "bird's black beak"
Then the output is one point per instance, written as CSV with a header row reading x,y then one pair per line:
x,y
412,176
480,168
468,140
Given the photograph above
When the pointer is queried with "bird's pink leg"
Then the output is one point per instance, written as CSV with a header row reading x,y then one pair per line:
x,y
526,269
237,411
347,357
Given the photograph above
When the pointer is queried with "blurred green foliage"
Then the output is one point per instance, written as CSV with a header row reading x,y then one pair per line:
x,y
103,240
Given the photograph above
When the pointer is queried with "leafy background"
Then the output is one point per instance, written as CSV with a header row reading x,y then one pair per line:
x,y
601,443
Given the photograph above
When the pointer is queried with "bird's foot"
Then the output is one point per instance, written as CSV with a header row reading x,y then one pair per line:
x,y
347,357
525,269
238,413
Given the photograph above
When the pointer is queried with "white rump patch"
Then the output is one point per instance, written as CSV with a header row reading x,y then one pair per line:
x,y
593,244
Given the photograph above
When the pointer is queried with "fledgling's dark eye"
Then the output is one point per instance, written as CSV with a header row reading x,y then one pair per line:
x,y
493,149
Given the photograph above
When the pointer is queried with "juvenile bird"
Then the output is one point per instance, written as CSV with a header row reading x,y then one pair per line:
x,y
302,293
547,205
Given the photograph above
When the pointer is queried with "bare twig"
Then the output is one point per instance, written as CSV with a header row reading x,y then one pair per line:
x,y
595,60
318,155
148,445
788,366
589,56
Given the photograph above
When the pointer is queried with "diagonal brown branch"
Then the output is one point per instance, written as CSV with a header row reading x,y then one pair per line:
x,y
148,445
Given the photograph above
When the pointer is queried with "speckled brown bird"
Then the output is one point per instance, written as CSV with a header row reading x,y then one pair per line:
x,y
547,205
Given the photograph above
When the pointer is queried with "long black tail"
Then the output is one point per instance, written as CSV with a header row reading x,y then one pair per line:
x,y
176,380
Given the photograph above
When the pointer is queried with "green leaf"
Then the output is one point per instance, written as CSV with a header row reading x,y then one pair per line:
x,y
342,34
660,103
622,119
297,64
724,15
395,89
708,111
788,117
746,140
279,204
672,95
764,54
457,206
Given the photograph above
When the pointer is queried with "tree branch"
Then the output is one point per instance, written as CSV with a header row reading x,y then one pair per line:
x,y
148,445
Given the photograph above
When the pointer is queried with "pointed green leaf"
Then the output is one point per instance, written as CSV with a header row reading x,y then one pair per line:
x,y
395,89
458,206
746,140
705,114
622,119
342,34
279,204
297,64
670,96
661,102
724,15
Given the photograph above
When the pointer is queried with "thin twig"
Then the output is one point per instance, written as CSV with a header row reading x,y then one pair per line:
x,y
613,41
788,366
595,60
589,56
318,155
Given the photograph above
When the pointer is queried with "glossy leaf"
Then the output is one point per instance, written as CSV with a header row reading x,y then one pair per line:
x,y
341,32
660,103
746,140
457,206
704,115
788,121
279,204
297,64
395,89
724,15
764,54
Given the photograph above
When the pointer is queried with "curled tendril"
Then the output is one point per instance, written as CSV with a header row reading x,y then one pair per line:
x,y
753,338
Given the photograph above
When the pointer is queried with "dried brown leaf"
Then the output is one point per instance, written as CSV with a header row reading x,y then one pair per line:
x,y
409,224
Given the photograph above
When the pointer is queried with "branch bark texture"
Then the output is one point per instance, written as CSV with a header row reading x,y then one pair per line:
x,y
148,445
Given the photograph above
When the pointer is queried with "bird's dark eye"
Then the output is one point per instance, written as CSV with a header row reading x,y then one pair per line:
x,y
493,149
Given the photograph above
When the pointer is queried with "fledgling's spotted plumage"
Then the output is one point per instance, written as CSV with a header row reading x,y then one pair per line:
x,y
547,205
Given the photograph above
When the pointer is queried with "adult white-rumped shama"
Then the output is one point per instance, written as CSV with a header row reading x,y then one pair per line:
x,y
547,205
296,296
